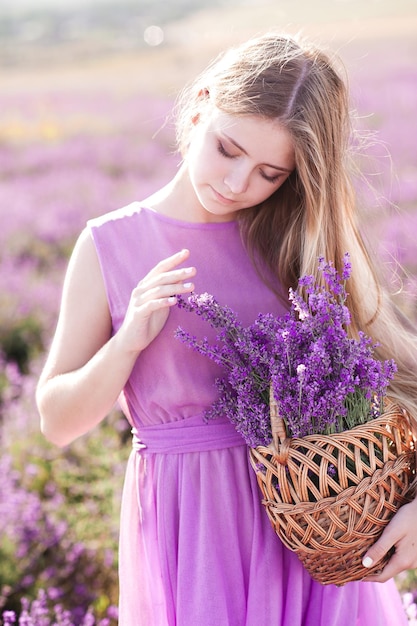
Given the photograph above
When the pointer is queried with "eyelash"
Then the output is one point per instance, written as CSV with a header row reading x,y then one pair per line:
x,y
223,152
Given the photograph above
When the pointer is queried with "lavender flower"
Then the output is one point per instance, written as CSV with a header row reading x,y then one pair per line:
x,y
40,612
323,380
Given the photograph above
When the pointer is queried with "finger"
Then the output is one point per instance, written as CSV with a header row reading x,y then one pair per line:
x,y
386,574
391,568
166,292
174,277
151,306
396,535
157,277
166,265
383,545
144,293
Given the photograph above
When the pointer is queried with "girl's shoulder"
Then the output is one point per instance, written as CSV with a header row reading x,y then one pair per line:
x,y
127,212
127,223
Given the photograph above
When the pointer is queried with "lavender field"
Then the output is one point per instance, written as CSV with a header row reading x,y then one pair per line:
x,y
68,155
59,509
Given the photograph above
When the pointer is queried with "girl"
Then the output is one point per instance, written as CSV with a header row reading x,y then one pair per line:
x,y
261,193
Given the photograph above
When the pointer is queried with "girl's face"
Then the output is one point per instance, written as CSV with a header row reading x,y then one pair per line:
x,y
236,162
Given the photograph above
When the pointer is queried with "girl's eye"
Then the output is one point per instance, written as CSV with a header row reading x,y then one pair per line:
x,y
270,179
223,151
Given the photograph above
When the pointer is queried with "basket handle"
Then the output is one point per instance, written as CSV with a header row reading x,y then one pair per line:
x,y
279,431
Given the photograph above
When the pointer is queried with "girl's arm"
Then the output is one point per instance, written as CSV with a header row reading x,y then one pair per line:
x,y
87,368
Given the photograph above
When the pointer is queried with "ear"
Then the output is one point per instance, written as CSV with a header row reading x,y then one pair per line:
x,y
203,94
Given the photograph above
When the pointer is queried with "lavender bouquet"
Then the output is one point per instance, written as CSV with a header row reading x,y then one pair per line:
x,y
345,461
323,380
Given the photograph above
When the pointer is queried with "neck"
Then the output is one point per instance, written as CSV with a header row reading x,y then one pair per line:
x,y
178,200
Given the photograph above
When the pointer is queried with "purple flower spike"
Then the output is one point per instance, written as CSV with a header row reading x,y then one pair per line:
x,y
323,380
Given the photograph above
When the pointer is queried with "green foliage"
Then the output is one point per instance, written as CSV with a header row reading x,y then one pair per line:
x,y
63,533
21,341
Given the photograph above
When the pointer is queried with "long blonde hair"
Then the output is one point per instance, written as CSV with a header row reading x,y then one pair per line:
x,y
314,212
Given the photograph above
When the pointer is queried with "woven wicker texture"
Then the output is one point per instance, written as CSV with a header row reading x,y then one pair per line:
x,y
329,497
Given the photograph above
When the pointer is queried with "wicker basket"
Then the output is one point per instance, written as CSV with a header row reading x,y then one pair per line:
x,y
329,497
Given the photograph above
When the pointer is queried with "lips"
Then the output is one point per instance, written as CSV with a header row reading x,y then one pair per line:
x,y
222,199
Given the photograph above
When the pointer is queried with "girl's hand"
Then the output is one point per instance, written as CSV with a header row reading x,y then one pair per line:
x,y
400,534
151,300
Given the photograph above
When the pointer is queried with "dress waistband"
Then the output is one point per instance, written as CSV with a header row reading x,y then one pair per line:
x,y
192,434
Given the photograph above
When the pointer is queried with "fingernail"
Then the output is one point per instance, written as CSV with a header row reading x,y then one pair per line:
x,y
367,561
188,270
187,285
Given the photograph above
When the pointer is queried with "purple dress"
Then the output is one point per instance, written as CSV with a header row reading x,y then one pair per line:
x,y
196,546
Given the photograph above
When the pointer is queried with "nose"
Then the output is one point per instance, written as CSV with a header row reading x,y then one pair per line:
x,y
237,180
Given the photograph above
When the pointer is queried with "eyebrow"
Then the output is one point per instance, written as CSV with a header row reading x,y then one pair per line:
x,y
239,147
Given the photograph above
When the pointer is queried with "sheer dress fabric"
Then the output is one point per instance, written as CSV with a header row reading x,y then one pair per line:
x,y
196,547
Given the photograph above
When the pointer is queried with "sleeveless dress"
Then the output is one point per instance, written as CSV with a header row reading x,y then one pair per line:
x,y
196,546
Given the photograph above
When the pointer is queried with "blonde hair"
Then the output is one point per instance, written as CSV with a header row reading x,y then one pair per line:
x,y
314,212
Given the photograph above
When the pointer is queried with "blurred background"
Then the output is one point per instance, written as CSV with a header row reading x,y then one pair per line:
x,y
86,92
